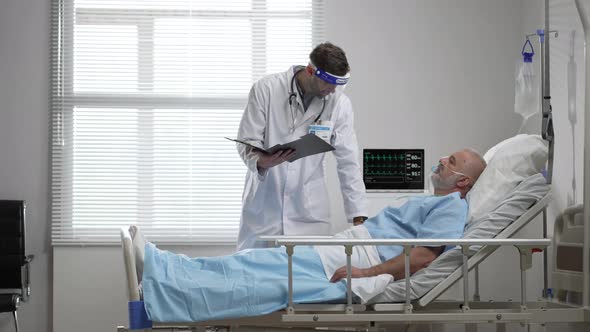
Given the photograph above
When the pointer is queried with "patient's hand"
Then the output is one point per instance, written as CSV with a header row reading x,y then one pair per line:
x,y
356,273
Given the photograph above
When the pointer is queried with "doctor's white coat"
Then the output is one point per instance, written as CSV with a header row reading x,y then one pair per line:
x,y
292,198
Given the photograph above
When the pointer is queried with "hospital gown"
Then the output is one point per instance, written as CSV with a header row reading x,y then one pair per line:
x,y
421,217
254,282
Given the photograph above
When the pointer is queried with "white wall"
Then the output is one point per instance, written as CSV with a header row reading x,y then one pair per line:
x,y
436,75
24,137
569,122
431,74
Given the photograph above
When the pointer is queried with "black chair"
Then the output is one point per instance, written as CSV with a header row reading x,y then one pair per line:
x,y
14,265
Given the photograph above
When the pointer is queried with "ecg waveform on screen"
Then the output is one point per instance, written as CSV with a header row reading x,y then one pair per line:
x,y
393,169
385,157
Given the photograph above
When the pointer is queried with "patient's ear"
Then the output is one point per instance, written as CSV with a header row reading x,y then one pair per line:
x,y
464,182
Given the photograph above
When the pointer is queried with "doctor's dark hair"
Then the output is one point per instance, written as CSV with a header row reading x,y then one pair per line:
x,y
331,58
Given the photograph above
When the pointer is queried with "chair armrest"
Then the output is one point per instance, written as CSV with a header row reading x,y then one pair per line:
x,y
26,277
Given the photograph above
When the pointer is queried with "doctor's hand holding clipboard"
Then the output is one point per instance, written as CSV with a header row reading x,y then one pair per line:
x,y
307,145
267,160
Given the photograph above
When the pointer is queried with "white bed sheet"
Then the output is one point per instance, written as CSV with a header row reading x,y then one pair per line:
x,y
334,257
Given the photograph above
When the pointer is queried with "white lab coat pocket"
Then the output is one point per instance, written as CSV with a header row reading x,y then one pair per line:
x,y
316,202
254,196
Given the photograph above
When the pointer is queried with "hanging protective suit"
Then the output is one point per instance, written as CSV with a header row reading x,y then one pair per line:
x,y
291,198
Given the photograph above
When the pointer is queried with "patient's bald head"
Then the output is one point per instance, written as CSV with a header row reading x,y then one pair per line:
x,y
458,172
473,164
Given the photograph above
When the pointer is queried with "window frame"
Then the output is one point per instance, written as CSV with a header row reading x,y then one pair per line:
x,y
64,100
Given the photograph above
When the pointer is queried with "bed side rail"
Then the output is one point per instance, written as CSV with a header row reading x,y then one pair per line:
x,y
483,253
526,248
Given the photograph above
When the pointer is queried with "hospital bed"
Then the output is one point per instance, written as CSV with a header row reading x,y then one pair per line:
x,y
382,315
412,299
409,302
410,305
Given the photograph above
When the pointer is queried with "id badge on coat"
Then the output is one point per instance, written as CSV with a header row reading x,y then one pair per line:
x,y
322,129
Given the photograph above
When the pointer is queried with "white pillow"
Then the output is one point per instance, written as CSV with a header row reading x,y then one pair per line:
x,y
509,162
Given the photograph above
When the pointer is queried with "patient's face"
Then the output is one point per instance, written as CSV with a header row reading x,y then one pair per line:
x,y
445,183
450,170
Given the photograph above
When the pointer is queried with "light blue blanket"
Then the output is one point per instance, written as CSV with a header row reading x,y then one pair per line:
x,y
252,282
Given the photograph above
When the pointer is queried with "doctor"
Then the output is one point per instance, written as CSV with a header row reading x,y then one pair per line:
x,y
290,198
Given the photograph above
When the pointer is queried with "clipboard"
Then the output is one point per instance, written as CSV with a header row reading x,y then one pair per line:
x,y
307,145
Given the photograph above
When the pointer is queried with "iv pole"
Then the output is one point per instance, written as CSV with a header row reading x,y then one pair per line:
x,y
547,120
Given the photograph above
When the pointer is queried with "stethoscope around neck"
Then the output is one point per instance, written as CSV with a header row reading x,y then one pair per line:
x,y
293,95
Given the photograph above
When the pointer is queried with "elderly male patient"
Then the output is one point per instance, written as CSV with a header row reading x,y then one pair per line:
x,y
251,282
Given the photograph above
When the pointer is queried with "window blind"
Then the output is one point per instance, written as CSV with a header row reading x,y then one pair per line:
x,y
142,94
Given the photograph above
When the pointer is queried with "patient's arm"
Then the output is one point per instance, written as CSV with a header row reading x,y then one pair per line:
x,y
420,257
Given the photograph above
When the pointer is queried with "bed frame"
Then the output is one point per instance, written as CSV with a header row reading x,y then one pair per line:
x,y
425,310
